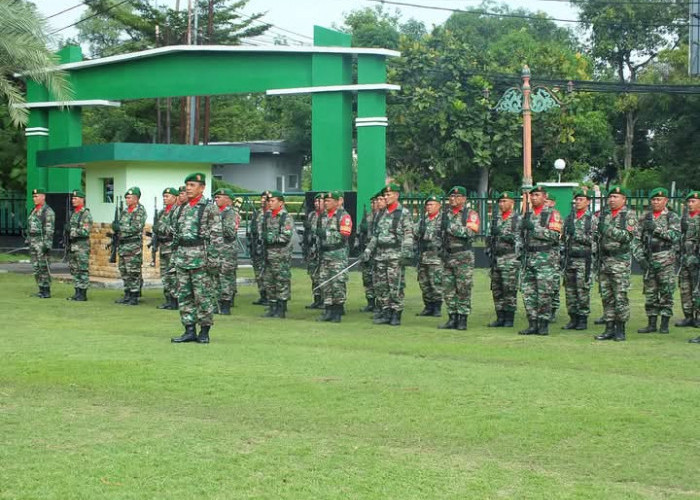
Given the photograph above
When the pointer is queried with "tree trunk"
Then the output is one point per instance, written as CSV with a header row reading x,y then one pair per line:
x,y
630,120
483,186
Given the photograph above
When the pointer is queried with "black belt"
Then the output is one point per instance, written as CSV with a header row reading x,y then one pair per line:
x,y
191,243
130,239
500,252
275,245
330,248
388,245
579,254
540,248
614,253
660,247
460,248
165,240
80,238
230,240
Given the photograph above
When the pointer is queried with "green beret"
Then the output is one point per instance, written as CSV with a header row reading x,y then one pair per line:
x,y
506,195
662,192
336,195
432,197
551,197
538,189
182,189
617,189
693,194
379,194
135,191
38,191
275,194
265,194
461,190
196,177
77,193
171,191
319,196
220,192
580,193
392,187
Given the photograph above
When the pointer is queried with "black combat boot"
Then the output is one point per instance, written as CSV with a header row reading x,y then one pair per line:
x,y
543,327
687,321
609,332
663,328
166,304
695,340
395,318
619,331
225,307
651,327
500,320
581,322
508,319
133,299
531,329
451,322
599,321
281,309
427,310
369,307
573,321
327,314
45,292
553,316
176,304
336,313
461,322
384,317
124,299
437,309
262,301
316,304
190,335
203,334
271,311
75,296
81,295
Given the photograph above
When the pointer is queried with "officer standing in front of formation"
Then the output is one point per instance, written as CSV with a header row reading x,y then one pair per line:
x,y
164,230
428,237
505,268
689,275
311,250
192,227
41,224
541,229
660,233
336,227
256,245
615,232
80,226
130,228
224,238
578,261
277,232
391,247
364,234
459,230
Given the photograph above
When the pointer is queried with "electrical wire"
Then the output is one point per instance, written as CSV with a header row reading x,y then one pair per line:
x,y
65,10
90,16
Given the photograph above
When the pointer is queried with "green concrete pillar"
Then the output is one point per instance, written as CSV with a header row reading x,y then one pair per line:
x,y
331,115
37,133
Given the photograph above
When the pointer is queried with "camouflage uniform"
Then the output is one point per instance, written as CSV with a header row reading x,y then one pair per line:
x,y
41,224
312,256
224,239
505,267
131,224
80,226
689,277
656,250
164,229
428,237
540,279
277,232
578,257
363,235
335,230
257,253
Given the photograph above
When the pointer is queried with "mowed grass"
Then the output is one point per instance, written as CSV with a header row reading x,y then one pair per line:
x,y
95,402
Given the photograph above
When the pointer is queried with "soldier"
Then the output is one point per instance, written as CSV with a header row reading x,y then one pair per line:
x,y
80,226
181,195
428,235
460,226
541,228
391,246
556,299
504,247
656,253
224,239
335,230
311,250
615,231
193,225
277,231
163,228
363,235
130,228
41,224
578,261
256,247
689,276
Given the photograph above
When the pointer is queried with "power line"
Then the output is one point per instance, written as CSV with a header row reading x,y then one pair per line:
x,y
273,26
65,10
90,16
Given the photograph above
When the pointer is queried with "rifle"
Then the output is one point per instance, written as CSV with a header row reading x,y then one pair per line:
x,y
598,239
526,232
155,242
684,230
260,243
493,236
66,231
113,245
419,240
362,231
443,226
568,240
649,236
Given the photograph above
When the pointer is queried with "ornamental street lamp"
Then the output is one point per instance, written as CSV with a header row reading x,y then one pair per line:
x,y
559,165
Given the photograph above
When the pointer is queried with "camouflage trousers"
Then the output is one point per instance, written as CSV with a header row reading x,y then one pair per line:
x,y
457,282
225,277
79,265
167,274
277,276
577,287
556,282
504,288
130,270
367,281
314,272
258,264
40,265
690,296
614,284
430,281
539,284
659,286
335,292
389,281
195,296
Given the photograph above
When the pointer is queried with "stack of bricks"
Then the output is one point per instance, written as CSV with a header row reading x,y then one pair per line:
x,y
99,255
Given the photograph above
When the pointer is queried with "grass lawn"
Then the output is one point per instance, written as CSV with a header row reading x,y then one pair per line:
x,y
95,402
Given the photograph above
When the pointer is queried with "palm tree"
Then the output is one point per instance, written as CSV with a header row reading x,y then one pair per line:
x,y
25,53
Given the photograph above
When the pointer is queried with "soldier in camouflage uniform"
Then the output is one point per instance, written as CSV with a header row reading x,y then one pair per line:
x,y
193,225
578,262
256,247
311,250
80,226
460,226
505,265
277,232
391,247
615,230
363,235
556,299
333,235
541,229
224,241
689,275
41,224
428,238
163,228
656,253
130,228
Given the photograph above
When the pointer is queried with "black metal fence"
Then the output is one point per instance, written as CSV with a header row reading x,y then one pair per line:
x,y
13,213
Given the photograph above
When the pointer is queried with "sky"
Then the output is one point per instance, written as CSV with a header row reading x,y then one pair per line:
x,y
295,18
